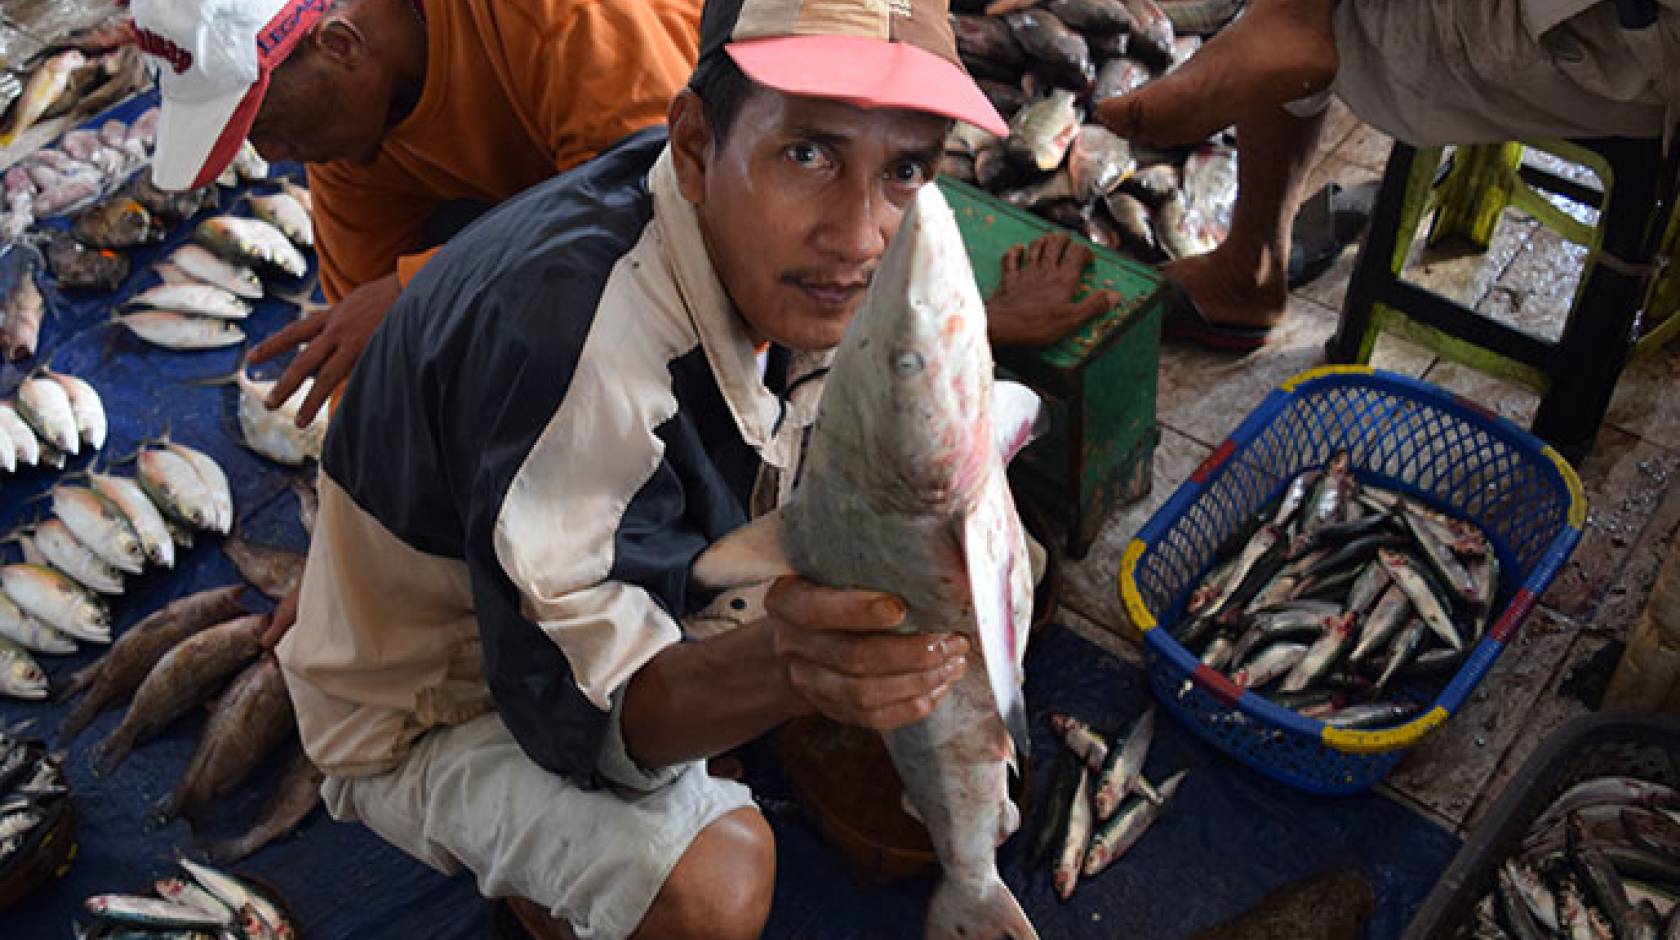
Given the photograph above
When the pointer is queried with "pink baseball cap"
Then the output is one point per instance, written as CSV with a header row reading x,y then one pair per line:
x,y
871,53
214,58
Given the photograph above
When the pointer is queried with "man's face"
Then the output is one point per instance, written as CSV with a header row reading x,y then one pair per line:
x,y
798,203
319,109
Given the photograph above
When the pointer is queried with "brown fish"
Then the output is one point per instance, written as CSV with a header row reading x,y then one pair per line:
x,y
273,571
295,797
112,677
20,324
187,675
119,222
1092,16
79,267
252,717
1329,906
1119,76
1152,32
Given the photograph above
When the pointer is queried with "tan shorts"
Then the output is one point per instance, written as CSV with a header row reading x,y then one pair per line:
x,y
1436,72
468,797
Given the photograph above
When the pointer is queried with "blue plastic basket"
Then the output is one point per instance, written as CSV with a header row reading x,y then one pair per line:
x,y
1399,433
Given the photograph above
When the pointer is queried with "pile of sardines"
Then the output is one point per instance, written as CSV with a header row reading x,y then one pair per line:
x,y
1100,804
1045,66
207,903
1601,863
32,791
1338,595
200,649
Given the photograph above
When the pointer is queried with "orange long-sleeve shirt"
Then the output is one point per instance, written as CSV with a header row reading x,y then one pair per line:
x,y
516,91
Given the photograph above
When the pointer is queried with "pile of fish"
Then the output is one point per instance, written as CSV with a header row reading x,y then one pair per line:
x,y
200,648
206,288
207,903
51,418
1100,804
32,788
1045,66
85,165
1601,863
97,534
1338,594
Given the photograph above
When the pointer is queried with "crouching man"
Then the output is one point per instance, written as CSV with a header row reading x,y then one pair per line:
x,y
493,660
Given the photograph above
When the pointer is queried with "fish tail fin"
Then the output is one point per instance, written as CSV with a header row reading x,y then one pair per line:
x,y
959,913
109,754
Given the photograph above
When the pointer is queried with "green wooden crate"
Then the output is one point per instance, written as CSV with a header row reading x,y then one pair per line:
x,y
1098,381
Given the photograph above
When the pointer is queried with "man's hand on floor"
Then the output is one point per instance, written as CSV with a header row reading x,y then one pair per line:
x,y
331,340
844,657
1033,304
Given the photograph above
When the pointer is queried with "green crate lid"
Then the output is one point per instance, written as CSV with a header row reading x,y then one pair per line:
x,y
990,227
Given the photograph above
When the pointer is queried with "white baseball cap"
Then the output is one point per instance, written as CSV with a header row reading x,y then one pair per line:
x,y
213,59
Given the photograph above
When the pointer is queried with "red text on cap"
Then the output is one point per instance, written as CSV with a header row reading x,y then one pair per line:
x,y
164,48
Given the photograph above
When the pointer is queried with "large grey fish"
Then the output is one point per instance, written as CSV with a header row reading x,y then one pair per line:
x,y
120,671
186,675
903,490
294,798
252,716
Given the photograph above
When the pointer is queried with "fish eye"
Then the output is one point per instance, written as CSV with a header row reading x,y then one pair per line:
x,y
907,362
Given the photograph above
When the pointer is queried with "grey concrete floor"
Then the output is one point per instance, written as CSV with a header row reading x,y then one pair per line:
x,y
1527,278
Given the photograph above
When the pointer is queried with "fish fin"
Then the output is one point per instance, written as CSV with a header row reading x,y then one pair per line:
x,y
992,562
958,912
1018,417
749,555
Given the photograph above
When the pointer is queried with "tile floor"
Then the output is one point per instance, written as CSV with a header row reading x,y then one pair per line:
x,y
1527,278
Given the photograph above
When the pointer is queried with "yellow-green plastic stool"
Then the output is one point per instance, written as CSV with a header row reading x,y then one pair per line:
x,y
1575,375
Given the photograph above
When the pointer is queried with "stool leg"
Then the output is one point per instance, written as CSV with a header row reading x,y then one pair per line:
x,y
1604,322
1476,191
1379,260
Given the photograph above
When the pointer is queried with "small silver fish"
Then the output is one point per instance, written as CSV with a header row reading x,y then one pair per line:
x,y
204,300
177,488
30,633
44,404
65,552
100,526
251,241
55,600
1114,840
200,263
286,214
87,409
181,331
149,526
20,676
1071,861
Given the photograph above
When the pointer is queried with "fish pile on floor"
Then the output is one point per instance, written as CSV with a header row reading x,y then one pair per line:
x,y
1339,593
1601,863
207,903
98,533
32,792
204,289
1045,66
200,648
1100,804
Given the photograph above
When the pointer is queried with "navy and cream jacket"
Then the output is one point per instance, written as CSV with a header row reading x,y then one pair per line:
x,y
559,414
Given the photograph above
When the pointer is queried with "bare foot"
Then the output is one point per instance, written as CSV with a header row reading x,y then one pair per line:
x,y
1033,304
1275,52
1228,294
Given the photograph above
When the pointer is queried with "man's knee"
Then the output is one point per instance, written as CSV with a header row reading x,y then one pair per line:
x,y
721,888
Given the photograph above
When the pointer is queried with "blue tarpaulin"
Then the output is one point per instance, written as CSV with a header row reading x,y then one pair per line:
x,y
1228,838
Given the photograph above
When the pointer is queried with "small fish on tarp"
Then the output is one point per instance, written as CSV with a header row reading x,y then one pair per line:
x,y
252,242
78,267
1330,906
20,322
273,571
119,222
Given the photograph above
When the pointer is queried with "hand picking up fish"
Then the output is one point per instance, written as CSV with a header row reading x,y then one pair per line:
x,y
1340,593
903,490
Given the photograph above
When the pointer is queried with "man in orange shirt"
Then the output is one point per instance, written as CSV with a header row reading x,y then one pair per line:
x,y
401,108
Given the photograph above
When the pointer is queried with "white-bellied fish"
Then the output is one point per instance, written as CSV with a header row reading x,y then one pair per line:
x,y
903,490
1076,839
206,266
253,242
286,214
1122,773
29,632
86,408
173,330
101,526
202,300
54,599
177,488
26,447
61,549
215,482
1123,831
44,404
20,676
149,526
